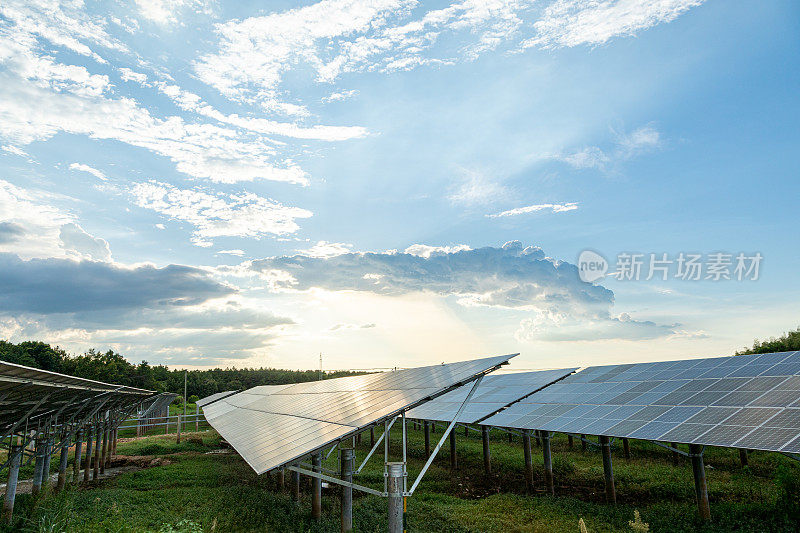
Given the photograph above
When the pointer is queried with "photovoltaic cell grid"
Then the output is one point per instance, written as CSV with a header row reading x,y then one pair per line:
x,y
495,392
31,394
214,397
746,401
271,426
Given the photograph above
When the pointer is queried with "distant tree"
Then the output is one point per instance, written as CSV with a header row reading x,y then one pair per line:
x,y
193,398
788,342
112,367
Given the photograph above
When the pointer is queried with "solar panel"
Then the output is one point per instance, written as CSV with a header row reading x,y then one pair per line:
x,y
214,397
30,394
494,393
747,401
272,426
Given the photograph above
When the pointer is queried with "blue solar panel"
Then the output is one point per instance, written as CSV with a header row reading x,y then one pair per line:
x,y
724,401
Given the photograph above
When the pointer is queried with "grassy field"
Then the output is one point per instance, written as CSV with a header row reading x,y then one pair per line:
x,y
214,492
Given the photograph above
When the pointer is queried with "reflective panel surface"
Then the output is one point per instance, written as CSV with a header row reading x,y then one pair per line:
x,y
746,401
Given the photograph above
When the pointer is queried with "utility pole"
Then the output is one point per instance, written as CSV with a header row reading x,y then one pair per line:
x,y
320,366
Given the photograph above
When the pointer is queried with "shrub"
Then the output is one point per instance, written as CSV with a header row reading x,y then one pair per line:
x,y
788,483
184,526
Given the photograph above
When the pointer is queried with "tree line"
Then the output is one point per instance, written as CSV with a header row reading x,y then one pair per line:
x,y
112,367
788,342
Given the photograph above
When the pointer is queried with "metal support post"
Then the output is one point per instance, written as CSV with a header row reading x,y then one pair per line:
x,y
569,441
11,487
104,451
700,487
427,428
466,430
526,448
608,471
296,485
48,450
281,479
62,465
583,443
38,467
97,445
348,457
743,457
76,466
87,466
548,462
178,441
626,448
394,472
453,457
371,436
510,437
316,487
487,457
675,455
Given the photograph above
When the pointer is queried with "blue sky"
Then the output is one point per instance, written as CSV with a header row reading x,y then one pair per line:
x,y
394,182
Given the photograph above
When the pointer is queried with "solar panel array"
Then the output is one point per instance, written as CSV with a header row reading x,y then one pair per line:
x,y
31,394
214,397
271,426
495,392
747,401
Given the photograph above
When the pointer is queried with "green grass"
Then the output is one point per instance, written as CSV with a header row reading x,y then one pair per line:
x,y
220,493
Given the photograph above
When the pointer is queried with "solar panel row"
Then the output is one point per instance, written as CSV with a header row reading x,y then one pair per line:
x,y
494,393
742,401
271,426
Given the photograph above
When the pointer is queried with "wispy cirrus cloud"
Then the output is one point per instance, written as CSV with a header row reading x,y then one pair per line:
x,y
626,145
334,37
576,22
554,208
219,215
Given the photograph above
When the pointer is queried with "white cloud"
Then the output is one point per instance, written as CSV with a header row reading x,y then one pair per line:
x,y
333,37
639,140
37,222
62,23
91,170
555,208
341,327
40,97
166,11
474,188
339,96
218,215
576,22
327,249
627,145
74,239
30,113
547,293
11,149
255,52
237,253
129,75
423,250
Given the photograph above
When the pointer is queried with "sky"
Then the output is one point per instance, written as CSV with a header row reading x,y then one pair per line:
x,y
396,182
